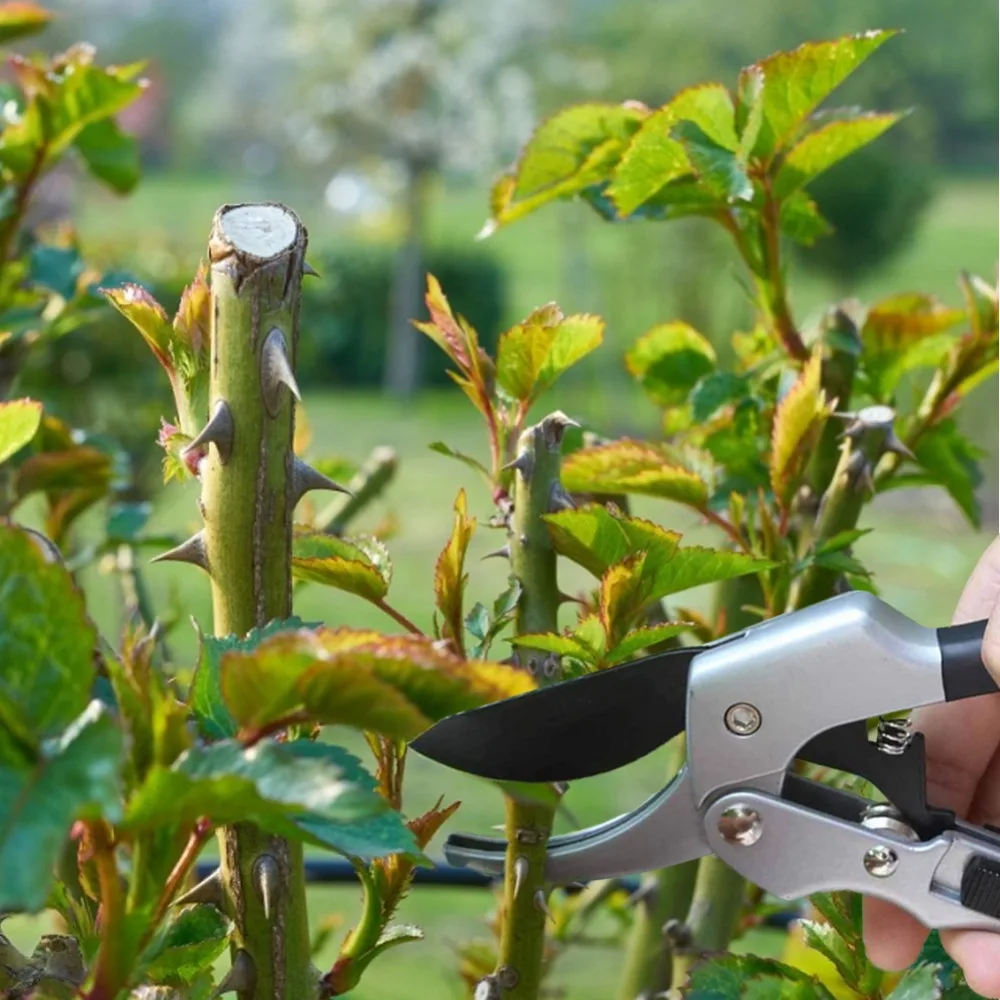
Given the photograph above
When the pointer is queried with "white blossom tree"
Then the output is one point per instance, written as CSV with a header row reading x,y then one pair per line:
x,y
415,87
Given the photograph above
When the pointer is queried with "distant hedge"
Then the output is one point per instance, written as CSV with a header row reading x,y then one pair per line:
x,y
343,324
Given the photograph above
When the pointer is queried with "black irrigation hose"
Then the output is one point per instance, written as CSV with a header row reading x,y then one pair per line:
x,y
322,871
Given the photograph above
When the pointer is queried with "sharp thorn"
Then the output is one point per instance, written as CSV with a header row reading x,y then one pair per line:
x,y
309,270
267,882
218,431
276,371
520,873
501,553
240,977
541,904
208,890
559,499
191,551
306,478
564,598
553,427
894,444
523,464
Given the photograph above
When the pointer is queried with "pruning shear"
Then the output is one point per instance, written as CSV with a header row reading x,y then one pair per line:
x,y
799,687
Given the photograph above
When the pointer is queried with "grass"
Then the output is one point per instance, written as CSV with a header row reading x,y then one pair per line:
x,y
921,552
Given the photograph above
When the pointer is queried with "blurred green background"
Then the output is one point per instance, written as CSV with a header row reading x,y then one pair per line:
x,y
383,123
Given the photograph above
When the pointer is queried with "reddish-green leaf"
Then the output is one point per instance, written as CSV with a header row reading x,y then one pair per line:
x,y
450,577
669,360
624,595
628,466
533,354
901,319
821,149
394,685
73,469
597,539
147,316
360,566
19,421
18,18
695,566
193,322
796,82
797,422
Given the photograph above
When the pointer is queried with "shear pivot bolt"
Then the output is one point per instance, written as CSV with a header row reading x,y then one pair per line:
x,y
742,719
880,861
741,825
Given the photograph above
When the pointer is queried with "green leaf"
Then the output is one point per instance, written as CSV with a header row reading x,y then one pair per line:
x,y
473,463
450,577
952,461
919,983
267,785
710,107
596,539
373,837
46,642
126,521
720,172
669,360
485,625
695,566
19,421
713,392
18,19
628,466
56,268
827,145
111,155
801,221
561,645
797,422
643,638
394,685
828,941
561,145
82,467
73,777
359,566
842,540
195,937
795,83
533,354
209,709
736,977
651,159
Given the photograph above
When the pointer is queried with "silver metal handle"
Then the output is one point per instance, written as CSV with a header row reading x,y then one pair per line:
x,y
793,852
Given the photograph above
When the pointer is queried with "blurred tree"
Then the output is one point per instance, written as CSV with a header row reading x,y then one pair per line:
x,y
401,90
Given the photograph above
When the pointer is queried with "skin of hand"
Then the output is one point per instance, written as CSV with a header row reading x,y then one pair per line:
x,y
963,774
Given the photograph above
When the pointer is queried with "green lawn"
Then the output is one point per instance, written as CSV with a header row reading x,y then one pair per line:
x,y
921,554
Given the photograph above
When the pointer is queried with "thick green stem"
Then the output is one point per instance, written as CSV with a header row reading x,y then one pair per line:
x,y
649,956
537,490
843,345
841,505
249,491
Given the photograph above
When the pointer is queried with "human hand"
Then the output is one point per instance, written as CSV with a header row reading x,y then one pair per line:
x,y
963,774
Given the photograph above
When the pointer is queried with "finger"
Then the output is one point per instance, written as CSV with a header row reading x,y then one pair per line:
x,y
893,938
978,953
962,737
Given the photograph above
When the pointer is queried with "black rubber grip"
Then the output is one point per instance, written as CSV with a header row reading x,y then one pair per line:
x,y
962,669
980,889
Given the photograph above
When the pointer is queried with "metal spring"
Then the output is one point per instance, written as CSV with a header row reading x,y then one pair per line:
x,y
894,735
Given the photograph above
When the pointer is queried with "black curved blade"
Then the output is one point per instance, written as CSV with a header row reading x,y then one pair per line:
x,y
576,729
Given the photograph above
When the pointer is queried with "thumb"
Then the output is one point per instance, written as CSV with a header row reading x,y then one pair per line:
x,y
981,599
